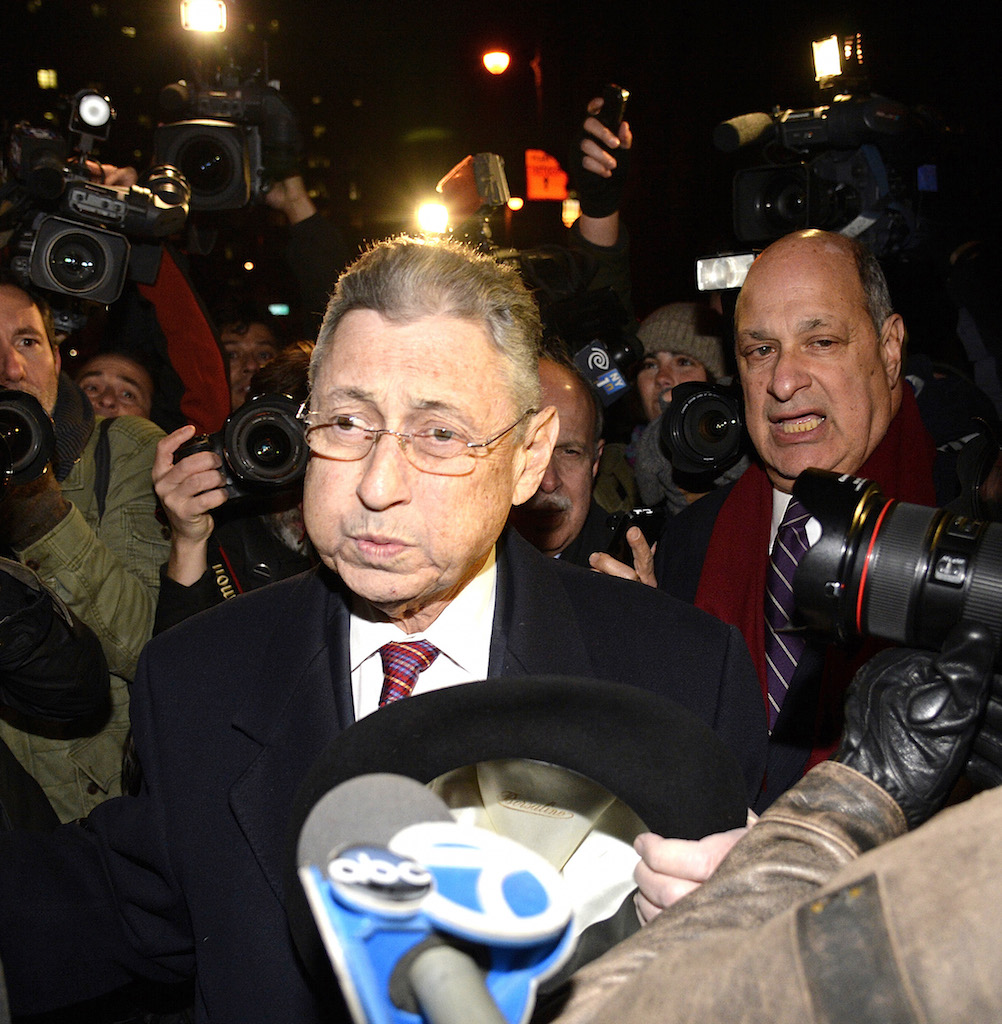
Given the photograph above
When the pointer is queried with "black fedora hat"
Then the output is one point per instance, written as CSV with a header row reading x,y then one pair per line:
x,y
656,757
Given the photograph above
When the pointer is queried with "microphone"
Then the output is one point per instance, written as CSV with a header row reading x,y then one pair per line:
x,y
731,135
425,919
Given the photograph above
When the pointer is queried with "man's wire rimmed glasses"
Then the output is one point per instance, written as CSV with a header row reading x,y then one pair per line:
x,y
345,438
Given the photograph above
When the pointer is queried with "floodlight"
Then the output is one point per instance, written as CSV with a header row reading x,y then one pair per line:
x,y
827,58
727,270
497,62
203,15
433,218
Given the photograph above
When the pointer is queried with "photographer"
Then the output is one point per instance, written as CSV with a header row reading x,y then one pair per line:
x,y
87,525
218,552
52,670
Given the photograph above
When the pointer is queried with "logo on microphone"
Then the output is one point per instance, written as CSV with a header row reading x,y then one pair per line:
x,y
598,358
375,878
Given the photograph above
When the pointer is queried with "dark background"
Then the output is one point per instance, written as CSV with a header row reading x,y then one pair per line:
x,y
392,94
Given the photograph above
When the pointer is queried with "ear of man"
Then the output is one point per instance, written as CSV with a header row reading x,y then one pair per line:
x,y
534,453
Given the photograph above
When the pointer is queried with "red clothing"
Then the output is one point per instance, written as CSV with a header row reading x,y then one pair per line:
x,y
732,584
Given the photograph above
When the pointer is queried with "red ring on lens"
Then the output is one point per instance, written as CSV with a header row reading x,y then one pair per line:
x,y
866,566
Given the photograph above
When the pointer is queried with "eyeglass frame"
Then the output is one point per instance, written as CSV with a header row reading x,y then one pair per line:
x,y
404,439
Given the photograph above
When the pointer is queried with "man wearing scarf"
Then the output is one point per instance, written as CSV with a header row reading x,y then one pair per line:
x,y
87,526
819,352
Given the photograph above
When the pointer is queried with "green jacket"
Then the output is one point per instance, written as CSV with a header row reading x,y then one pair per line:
x,y
106,569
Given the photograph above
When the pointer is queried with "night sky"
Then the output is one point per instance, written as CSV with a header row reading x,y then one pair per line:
x,y
400,96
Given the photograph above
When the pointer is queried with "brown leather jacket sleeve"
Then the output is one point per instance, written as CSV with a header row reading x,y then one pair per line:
x,y
708,957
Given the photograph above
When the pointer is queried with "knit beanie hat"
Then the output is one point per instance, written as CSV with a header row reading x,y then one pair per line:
x,y
691,328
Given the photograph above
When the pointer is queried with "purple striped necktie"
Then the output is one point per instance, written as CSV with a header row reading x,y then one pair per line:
x,y
783,647
402,663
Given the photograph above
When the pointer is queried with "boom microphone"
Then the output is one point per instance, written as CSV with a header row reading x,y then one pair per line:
x,y
425,919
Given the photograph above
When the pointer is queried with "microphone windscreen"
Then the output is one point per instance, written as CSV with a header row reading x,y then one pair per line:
x,y
739,131
368,810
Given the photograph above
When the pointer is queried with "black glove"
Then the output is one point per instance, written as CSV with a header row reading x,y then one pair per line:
x,y
984,767
911,717
599,197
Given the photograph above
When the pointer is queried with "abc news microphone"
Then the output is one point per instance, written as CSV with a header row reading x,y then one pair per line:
x,y
424,919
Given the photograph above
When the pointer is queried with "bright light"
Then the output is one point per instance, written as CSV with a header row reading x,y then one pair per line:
x,y
249,265
570,210
47,78
278,308
203,15
715,273
433,218
497,62
827,58
516,203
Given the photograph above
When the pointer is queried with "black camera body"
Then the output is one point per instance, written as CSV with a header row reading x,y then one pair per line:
x,y
262,446
702,431
77,237
27,438
231,141
889,569
850,166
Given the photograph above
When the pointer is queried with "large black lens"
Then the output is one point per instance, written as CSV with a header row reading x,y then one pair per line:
x,y
702,430
27,440
903,572
206,164
783,203
76,261
264,443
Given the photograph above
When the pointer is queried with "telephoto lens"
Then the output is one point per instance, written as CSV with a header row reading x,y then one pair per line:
x,y
893,570
27,440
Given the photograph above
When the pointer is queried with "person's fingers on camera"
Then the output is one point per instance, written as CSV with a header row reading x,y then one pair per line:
x,y
647,909
643,556
602,562
163,460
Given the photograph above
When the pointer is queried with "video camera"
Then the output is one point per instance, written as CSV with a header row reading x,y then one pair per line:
x,y
858,164
75,236
231,140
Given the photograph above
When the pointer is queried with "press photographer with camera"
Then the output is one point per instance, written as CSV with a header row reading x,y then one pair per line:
x,y
87,526
221,548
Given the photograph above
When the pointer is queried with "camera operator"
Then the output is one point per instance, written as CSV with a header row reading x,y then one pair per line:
x,y
52,670
215,556
87,525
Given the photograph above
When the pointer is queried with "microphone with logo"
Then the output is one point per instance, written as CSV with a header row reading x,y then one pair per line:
x,y
424,919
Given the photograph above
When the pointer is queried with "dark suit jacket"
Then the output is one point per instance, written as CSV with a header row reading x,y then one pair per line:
x,y
230,709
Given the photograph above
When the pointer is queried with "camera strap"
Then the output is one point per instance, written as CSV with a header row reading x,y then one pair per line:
x,y
102,466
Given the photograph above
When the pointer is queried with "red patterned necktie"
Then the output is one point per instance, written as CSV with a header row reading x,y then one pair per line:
x,y
401,665
783,645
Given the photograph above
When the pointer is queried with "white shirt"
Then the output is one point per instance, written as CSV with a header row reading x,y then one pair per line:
x,y
780,501
462,633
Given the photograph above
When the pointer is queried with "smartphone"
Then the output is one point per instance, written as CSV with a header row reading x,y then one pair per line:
x,y
651,522
613,107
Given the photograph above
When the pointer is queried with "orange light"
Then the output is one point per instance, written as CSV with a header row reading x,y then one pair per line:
x,y
497,62
516,203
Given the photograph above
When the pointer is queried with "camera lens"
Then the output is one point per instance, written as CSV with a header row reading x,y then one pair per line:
x,y
783,203
890,569
702,430
76,261
264,442
27,440
207,165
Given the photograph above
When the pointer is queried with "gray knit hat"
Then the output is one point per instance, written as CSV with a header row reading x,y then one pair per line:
x,y
691,328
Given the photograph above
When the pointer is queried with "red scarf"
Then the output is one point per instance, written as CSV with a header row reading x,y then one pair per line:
x,y
732,583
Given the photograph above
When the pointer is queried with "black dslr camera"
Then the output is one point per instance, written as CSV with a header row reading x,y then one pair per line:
x,y
27,440
262,446
703,431
231,140
889,569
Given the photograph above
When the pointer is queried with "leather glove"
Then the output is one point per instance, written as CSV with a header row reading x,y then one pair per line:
x,y
984,767
911,717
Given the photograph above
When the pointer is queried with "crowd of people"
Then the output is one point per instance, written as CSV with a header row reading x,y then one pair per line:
x,y
175,659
